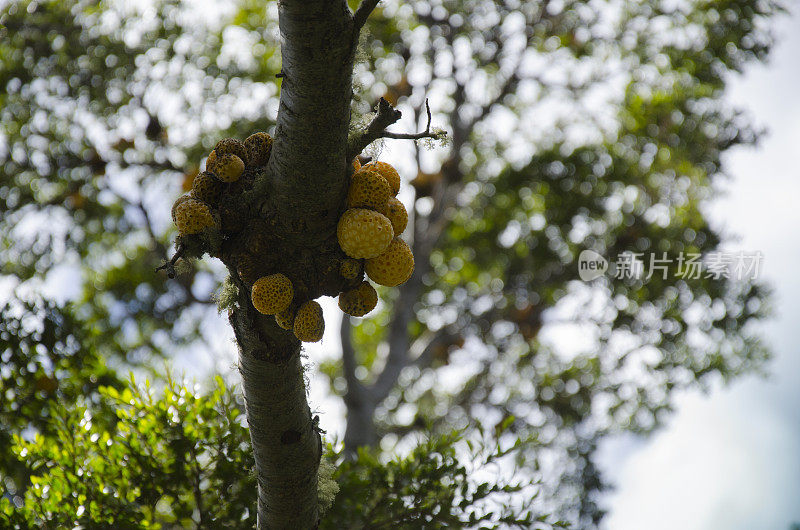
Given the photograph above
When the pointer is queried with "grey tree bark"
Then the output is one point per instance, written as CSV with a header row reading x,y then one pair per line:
x,y
285,443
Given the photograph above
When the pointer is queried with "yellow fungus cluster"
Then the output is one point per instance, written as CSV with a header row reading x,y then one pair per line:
x,y
227,168
202,208
177,203
393,267
350,268
272,294
364,233
359,301
207,188
258,147
285,318
192,216
368,232
388,172
397,215
368,189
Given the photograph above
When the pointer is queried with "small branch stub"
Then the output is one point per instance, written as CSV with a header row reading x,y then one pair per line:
x,y
169,266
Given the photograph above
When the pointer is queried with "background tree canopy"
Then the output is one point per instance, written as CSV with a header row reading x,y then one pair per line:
x,y
573,125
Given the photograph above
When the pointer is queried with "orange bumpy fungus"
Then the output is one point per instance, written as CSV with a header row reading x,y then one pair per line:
x,y
192,217
272,294
393,267
309,325
364,233
386,171
359,301
259,147
397,215
368,189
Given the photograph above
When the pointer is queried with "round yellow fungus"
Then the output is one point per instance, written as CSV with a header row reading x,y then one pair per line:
x,y
227,168
309,325
349,268
392,267
177,203
272,294
364,233
359,301
259,147
285,318
368,189
397,215
387,172
207,188
231,146
192,216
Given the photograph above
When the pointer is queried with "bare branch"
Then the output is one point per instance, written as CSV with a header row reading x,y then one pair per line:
x,y
417,136
362,13
386,116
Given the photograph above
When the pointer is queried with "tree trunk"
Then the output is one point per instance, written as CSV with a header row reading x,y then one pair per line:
x,y
302,190
286,444
360,405
309,155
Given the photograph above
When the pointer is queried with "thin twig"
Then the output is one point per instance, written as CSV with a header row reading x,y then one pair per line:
x,y
170,265
376,129
416,136
362,13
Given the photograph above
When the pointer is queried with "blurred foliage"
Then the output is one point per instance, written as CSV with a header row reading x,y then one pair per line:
x,y
107,110
47,360
574,124
179,458
432,488
171,459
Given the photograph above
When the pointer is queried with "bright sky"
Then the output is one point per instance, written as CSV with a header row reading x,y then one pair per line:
x,y
731,460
